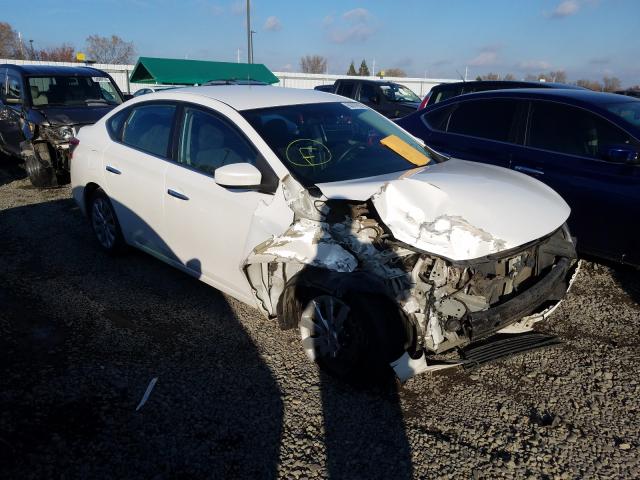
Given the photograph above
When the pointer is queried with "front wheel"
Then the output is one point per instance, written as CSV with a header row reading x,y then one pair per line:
x,y
344,337
105,223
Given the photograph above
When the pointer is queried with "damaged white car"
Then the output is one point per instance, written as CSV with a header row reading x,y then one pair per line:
x,y
329,217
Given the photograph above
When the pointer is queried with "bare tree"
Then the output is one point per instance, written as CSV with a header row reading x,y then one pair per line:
x,y
9,43
509,77
531,78
491,76
110,49
313,64
611,84
394,72
62,53
591,85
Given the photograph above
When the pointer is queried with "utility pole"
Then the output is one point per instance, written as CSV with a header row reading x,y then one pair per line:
x,y
373,68
252,32
466,71
32,53
238,55
249,50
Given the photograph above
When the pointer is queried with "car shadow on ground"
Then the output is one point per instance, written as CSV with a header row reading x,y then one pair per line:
x,y
81,337
82,334
11,169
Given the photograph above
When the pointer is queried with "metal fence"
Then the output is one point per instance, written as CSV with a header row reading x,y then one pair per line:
x,y
121,74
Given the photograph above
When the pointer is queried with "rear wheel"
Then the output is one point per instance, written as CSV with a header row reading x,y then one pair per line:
x,y
105,223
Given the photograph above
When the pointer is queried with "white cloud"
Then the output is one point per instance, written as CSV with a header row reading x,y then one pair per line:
x,y
534,65
487,57
357,15
357,25
566,8
272,24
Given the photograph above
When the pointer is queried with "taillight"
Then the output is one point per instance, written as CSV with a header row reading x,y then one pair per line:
x,y
424,102
73,143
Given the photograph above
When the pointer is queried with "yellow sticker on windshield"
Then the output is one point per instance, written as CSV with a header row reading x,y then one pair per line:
x,y
405,150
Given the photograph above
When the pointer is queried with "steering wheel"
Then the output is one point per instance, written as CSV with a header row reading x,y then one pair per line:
x,y
349,151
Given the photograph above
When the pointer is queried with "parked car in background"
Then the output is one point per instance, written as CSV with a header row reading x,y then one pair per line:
x,y
43,107
629,93
325,88
583,144
444,91
319,212
145,90
391,99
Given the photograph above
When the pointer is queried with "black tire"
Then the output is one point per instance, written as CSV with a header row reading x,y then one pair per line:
x,y
41,174
365,347
104,223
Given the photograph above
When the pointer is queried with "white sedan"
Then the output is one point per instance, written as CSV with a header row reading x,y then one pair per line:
x,y
325,215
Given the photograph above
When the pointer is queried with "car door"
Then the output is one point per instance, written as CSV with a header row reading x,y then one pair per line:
x,y
134,168
483,130
206,224
564,148
11,112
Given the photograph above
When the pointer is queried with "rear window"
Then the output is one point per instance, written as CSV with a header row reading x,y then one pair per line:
x,y
437,119
148,128
492,119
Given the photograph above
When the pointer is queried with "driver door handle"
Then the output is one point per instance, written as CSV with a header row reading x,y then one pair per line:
x,y
109,168
178,195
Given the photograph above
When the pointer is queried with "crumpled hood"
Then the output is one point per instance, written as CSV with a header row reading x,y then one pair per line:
x,y
458,209
74,115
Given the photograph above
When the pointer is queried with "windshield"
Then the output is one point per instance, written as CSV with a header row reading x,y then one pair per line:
x,y
329,142
399,93
73,91
629,111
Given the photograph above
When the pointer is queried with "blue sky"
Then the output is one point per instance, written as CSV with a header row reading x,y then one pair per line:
x,y
586,38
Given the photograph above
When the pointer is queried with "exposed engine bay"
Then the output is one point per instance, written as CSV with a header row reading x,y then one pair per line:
x,y
444,303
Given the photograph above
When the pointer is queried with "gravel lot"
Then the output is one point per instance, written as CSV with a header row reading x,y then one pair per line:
x,y
82,334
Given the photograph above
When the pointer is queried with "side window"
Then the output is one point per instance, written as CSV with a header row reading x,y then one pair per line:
x,y
14,87
346,89
367,91
3,84
115,124
437,119
207,142
571,130
148,128
491,119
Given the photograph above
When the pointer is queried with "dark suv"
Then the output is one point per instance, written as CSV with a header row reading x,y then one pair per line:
x,y
583,144
42,108
445,91
391,99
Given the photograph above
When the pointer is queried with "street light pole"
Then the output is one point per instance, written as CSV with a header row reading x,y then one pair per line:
x,y
249,49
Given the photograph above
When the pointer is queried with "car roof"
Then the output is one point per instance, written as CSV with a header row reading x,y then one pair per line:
x,y
55,70
576,96
249,97
508,83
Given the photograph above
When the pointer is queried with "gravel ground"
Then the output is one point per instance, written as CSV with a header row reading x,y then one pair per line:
x,y
82,335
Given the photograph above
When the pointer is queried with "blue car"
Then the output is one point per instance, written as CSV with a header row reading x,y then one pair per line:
x,y
583,144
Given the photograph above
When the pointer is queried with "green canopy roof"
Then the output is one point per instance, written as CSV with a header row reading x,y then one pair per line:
x,y
169,71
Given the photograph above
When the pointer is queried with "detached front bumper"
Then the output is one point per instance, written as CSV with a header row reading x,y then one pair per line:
x,y
551,288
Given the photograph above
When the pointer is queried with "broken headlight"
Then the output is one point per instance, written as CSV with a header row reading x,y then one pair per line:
x,y
61,134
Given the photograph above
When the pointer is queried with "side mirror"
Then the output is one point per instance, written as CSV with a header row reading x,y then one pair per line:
x,y
238,175
621,154
126,96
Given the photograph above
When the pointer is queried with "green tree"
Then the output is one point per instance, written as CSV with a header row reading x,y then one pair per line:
x,y
352,69
364,70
